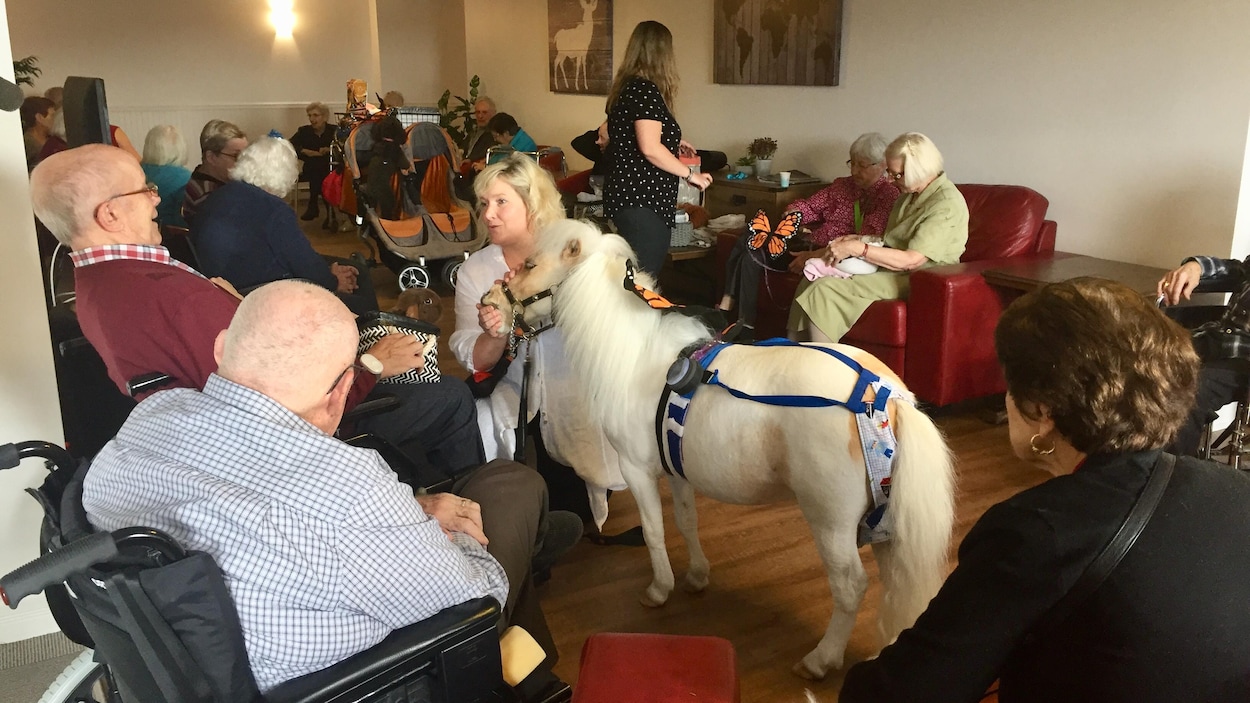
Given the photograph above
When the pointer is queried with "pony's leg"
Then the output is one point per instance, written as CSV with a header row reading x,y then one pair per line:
x,y
687,519
646,492
835,541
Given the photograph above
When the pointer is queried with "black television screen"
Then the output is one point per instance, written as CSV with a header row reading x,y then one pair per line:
x,y
86,112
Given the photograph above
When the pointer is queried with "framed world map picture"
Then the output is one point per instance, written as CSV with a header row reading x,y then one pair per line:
x,y
579,46
777,42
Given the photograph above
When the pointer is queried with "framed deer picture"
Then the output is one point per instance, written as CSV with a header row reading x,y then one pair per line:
x,y
579,46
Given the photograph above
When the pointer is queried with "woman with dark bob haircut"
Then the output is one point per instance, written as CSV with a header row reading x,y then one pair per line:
x,y
1098,379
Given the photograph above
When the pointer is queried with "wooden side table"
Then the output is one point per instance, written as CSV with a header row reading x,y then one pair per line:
x,y
746,196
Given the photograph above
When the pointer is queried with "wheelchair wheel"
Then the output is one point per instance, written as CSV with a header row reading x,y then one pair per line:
x,y
451,272
414,277
83,681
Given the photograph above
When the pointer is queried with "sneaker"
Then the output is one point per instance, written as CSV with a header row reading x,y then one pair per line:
x,y
564,530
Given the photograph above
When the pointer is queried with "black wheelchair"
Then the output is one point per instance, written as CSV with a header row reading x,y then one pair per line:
x,y
164,628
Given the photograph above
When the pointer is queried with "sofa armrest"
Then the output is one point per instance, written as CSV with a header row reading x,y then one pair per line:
x,y
951,315
459,644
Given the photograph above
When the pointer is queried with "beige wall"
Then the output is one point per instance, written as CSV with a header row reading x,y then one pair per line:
x,y
28,405
422,46
1131,117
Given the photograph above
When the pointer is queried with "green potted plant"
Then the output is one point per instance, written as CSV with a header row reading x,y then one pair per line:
x,y
745,164
458,119
763,149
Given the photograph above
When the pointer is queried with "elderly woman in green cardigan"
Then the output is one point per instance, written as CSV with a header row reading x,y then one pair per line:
x,y
927,227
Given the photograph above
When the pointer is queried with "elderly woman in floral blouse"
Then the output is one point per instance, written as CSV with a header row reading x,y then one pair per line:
x,y
858,204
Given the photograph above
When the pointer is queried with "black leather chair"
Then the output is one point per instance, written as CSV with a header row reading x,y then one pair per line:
x,y
163,622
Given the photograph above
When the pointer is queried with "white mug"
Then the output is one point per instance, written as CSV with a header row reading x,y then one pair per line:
x,y
785,179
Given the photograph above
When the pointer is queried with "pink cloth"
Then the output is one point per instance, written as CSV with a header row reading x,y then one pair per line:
x,y
830,213
816,267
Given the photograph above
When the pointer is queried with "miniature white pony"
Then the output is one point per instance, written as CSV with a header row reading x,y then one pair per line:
x,y
739,451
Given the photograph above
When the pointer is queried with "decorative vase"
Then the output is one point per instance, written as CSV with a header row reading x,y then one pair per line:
x,y
763,167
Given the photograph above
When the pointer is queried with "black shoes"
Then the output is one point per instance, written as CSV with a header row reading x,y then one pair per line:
x,y
542,686
309,214
564,530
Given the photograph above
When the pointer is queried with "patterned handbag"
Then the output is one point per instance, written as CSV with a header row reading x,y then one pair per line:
x,y
376,325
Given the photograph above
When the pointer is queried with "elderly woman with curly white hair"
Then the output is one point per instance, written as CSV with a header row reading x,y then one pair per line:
x,y
246,232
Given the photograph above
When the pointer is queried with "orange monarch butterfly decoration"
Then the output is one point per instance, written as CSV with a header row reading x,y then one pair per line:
x,y
773,242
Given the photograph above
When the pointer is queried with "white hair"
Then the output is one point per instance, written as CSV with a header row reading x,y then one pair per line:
x,y
922,162
164,146
269,164
869,147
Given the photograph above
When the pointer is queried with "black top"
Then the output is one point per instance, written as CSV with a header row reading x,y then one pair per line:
x,y
315,167
632,180
1169,624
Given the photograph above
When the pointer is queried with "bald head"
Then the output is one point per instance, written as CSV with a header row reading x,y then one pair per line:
x,y
290,340
68,188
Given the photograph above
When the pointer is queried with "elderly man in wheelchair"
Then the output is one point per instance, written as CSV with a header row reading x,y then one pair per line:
x,y
322,551
1221,336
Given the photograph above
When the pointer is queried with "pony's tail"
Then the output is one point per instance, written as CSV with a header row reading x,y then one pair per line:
x,y
912,564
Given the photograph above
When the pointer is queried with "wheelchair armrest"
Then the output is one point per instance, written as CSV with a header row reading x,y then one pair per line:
x,y
1219,284
368,408
147,382
459,645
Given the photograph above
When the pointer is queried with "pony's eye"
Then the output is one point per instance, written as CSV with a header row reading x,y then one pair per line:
x,y
529,264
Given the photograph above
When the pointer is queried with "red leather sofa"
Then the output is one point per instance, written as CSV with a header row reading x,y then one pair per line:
x,y
940,340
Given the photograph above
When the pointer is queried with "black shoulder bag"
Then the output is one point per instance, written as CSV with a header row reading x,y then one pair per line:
x,y
1106,561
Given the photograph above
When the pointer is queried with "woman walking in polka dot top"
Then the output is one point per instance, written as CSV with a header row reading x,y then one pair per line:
x,y
644,141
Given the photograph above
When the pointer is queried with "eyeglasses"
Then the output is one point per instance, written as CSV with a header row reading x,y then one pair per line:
x,y
358,368
851,164
896,177
148,188
233,155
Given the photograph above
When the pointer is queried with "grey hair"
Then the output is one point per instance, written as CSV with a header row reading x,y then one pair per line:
x,y
164,145
320,108
488,101
922,162
869,147
67,187
216,133
268,164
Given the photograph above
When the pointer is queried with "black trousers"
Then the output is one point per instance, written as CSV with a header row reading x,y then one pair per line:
x,y
647,233
1220,382
439,420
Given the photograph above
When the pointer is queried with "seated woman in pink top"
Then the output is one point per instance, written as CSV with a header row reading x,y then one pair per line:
x,y
856,204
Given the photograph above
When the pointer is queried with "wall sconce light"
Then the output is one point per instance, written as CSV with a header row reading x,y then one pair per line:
x,y
282,17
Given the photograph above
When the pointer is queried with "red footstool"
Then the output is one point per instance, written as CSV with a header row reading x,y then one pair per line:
x,y
643,668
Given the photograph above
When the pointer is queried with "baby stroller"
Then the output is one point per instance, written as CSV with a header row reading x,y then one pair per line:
x,y
418,220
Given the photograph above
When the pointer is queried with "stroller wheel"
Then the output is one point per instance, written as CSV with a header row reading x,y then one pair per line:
x,y
451,272
414,277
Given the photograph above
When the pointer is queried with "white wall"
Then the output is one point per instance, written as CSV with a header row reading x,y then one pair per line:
x,y
1129,116
28,404
422,48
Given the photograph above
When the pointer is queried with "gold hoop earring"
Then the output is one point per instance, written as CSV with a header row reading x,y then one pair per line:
x,y
1037,450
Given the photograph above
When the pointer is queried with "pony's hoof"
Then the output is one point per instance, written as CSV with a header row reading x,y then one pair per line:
x,y
653,598
806,671
693,583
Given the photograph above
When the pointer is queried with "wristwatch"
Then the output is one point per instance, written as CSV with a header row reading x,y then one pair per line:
x,y
371,363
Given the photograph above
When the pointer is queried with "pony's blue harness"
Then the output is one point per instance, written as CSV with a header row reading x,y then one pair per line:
x,y
690,371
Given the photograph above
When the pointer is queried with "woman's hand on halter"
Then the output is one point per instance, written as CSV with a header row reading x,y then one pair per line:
x,y
490,319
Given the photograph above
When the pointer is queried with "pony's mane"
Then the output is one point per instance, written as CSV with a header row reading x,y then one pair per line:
x,y
616,344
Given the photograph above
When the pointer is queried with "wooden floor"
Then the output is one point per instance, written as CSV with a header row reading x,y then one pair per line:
x,y
768,593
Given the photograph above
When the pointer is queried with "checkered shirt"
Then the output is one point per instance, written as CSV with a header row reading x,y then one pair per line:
x,y
323,550
1229,336
135,252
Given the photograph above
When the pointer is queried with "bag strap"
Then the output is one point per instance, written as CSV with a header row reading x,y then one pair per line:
x,y
1106,561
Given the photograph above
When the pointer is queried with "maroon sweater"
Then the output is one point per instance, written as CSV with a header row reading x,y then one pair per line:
x,y
143,316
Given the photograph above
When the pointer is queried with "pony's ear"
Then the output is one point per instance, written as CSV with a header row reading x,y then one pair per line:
x,y
573,249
